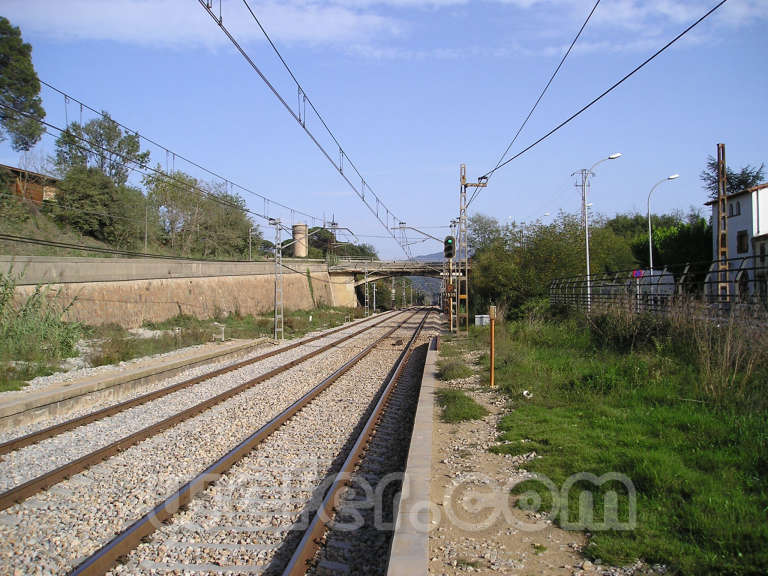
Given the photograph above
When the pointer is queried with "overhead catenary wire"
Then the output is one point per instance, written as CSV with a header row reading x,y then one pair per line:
x,y
297,115
135,166
535,105
610,89
68,97
118,252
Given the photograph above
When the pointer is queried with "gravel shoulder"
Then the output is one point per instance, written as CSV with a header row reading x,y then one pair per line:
x,y
479,530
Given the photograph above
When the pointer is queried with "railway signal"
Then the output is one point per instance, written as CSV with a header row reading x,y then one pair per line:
x,y
449,247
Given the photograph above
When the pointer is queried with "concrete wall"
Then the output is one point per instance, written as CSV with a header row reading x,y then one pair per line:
x,y
129,292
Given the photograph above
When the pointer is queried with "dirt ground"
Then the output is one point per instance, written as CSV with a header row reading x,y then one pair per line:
x,y
476,527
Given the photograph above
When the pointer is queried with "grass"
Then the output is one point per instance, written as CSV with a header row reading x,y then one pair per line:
x,y
458,407
117,344
466,563
698,460
452,369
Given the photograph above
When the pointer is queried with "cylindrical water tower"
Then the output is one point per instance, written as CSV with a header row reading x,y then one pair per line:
x,y
300,238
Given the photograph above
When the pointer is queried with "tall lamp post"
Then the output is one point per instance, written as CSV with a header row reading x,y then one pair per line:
x,y
650,235
585,174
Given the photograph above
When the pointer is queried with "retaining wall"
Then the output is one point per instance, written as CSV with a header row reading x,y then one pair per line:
x,y
129,292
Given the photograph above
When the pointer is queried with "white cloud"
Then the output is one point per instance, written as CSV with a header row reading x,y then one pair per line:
x,y
376,29
177,23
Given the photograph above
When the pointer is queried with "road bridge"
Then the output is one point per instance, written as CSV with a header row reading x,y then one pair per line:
x,y
378,269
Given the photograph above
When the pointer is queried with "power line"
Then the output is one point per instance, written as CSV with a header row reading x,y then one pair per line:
x,y
117,252
609,90
131,165
167,150
544,91
300,118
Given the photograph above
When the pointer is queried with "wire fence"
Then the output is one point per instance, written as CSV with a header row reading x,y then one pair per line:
x,y
740,289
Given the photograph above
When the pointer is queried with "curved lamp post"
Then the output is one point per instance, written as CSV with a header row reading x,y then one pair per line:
x,y
650,235
585,174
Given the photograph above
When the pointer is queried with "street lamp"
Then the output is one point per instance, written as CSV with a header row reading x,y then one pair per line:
x,y
585,174
650,236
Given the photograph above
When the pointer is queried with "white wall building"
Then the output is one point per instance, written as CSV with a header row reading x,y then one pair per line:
x,y
747,217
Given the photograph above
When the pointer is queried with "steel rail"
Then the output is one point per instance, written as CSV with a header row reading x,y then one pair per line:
x,y
104,558
35,485
311,541
56,429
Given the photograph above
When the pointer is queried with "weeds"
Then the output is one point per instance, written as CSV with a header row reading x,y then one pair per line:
x,y
452,369
458,407
33,335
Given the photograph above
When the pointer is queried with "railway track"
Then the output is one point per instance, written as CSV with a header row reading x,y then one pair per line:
x,y
72,423
266,493
79,460
57,528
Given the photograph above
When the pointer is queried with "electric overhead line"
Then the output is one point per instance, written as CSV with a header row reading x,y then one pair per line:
x,y
609,90
300,115
118,252
268,201
135,166
535,105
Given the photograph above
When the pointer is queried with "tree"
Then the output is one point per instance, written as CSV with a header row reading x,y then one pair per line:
x,y
747,177
198,218
100,143
89,201
513,264
21,107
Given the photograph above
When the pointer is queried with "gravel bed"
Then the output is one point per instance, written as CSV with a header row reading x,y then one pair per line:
x,y
53,531
365,549
251,520
32,461
41,382
191,373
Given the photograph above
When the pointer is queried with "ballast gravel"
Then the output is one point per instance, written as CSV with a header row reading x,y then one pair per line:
x,y
6,435
32,461
251,520
53,531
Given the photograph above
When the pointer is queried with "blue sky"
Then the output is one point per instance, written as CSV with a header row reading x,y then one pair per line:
x,y
413,88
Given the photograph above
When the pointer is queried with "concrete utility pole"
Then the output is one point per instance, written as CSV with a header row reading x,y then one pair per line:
x,y
462,244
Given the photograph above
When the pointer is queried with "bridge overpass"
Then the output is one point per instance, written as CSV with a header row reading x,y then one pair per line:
x,y
378,269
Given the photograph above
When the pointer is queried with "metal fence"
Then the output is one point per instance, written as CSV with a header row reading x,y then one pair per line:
x,y
743,288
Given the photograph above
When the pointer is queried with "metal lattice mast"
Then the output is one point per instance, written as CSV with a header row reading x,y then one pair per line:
x,y
374,297
279,333
394,295
462,245
405,302
723,284
367,305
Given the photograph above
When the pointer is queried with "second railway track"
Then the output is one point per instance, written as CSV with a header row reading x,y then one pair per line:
x,y
56,528
74,448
